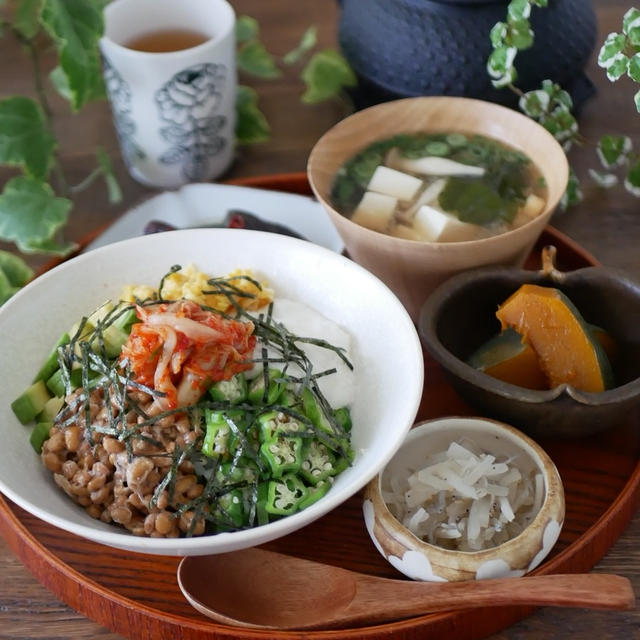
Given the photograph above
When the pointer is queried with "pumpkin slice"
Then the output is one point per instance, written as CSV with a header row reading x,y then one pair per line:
x,y
508,358
608,343
567,349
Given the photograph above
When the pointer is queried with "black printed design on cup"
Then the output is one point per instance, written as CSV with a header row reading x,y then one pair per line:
x,y
188,104
120,100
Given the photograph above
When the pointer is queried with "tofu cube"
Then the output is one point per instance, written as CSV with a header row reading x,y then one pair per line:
x,y
531,208
375,211
436,225
394,183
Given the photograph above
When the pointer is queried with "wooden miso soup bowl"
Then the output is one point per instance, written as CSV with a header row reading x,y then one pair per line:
x,y
412,269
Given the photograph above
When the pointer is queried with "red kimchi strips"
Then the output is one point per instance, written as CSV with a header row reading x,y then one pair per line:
x,y
180,349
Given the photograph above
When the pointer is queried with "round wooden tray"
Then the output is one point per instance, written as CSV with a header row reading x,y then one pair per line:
x,y
138,596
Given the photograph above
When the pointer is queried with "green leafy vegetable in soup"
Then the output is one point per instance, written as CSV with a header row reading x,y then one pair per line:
x,y
443,187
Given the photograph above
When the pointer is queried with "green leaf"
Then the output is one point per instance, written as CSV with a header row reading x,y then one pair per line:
x,y
307,42
613,150
251,125
27,18
634,68
25,139
30,213
540,3
534,103
15,269
562,125
520,34
325,75
6,288
632,181
617,67
113,187
631,26
52,246
247,29
253,58
613,46
604,180
519,9
60,82
498,34
636,100
500,66
76,27
559,97
573,194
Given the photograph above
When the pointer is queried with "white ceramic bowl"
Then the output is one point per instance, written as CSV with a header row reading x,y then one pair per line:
x,y
423,561
387,357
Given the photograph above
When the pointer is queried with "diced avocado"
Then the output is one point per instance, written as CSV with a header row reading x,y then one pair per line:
x,y
51,363
51,409
87,328
100,313
31,402
126,319
39,435
55,383
79,332
113,339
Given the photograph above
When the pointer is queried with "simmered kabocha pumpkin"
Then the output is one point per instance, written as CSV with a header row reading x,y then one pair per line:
x,y
567,348
507,357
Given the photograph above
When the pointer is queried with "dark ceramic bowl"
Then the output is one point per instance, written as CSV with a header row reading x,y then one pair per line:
x,y
460,316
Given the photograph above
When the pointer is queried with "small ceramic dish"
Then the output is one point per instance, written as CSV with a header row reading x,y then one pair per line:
x,y
421,560
461,315
411,268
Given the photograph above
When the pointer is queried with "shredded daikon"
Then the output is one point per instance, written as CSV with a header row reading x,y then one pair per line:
x,y
467,499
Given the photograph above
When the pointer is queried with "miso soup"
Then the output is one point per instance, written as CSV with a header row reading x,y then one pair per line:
x,y
443,187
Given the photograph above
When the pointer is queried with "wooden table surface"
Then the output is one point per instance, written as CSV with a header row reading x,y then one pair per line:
x,y
607,223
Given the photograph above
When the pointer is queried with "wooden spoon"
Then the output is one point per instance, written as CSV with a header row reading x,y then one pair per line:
x,y
258,588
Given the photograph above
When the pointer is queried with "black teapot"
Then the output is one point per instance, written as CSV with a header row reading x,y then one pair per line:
x,y
403,48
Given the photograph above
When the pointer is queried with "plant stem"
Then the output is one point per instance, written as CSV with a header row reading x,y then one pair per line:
x,y
86,181
62,184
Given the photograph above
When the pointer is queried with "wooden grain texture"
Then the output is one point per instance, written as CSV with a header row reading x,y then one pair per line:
x,y
606,223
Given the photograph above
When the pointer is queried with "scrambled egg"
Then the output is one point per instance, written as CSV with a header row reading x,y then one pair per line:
x,y
192,284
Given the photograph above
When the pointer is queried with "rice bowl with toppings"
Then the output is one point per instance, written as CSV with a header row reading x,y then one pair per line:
x,y
326,283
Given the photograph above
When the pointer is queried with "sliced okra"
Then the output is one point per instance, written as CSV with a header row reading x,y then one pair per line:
x,y
285,494
234,390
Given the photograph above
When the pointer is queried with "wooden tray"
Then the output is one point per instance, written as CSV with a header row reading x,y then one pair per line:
x,y
138,596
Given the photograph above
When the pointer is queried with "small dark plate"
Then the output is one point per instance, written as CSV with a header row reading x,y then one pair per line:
x,y
460,316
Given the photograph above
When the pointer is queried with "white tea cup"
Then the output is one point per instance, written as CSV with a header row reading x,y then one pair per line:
x,y
174,111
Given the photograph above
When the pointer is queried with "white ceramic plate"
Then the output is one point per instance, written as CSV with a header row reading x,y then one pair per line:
x,y
197,204
386,353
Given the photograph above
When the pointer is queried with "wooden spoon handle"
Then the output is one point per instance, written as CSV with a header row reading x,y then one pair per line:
x,y
589,590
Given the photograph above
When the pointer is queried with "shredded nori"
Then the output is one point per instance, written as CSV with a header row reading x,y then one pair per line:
x,y
113,377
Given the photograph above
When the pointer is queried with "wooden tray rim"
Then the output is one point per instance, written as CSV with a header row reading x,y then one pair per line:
x,y
80,591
